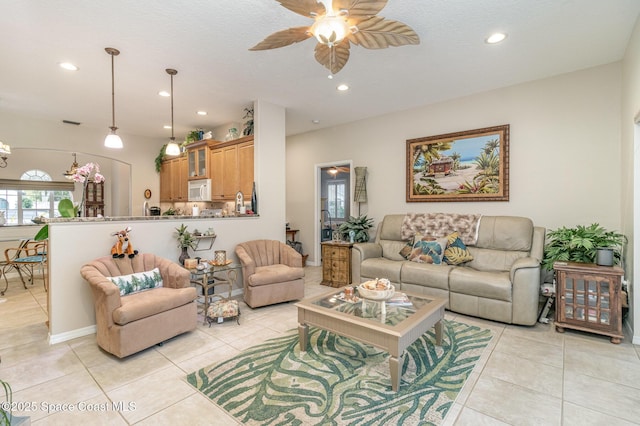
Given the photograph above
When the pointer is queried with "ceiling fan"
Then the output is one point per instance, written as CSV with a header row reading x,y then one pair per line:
x,y
334,170
338,23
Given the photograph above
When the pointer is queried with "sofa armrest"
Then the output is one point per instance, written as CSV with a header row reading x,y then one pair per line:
x,y
173,275
360,252
525,279
368,250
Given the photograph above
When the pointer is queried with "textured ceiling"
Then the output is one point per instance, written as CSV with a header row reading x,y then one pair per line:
x,y
207,41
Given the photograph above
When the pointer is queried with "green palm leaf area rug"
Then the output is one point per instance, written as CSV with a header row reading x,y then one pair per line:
x,y
339,381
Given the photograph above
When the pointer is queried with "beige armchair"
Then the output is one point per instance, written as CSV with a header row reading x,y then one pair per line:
x,y
271,272
133,322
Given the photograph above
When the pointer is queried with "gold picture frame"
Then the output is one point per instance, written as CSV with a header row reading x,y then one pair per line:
x,y
472,165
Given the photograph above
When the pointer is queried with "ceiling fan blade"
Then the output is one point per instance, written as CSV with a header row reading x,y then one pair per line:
x,y
333,58
380,33
360,8
283,38
303,7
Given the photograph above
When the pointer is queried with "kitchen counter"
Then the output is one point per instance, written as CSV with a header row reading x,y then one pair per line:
x,y
145,218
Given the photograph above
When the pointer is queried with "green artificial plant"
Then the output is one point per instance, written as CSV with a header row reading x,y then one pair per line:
x,y
66,209
185,238
580,244
160,158
360,225
5,411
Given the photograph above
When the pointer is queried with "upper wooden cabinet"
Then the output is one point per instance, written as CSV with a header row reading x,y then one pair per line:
x,y
197,160
231,166
173,179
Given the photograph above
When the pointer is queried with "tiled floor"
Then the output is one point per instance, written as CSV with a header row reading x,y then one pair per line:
x,y
528,375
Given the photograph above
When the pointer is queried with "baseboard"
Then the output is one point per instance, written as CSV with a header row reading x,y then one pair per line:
x,y
73,334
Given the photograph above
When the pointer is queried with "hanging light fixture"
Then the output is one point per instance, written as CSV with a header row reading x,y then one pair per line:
x,y
73,169
172,147
5,151
112,140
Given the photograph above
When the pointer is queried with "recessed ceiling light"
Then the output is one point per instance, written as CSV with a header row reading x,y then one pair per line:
x,y
343,87
201,112
495,38
68,66
316,121
164,93
166,126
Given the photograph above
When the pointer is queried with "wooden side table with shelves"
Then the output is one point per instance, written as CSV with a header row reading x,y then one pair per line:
x,y
336,263
588,298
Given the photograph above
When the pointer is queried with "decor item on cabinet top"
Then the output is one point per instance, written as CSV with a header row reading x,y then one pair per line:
x,y
248,125
90,172
186,240
581,244
233,134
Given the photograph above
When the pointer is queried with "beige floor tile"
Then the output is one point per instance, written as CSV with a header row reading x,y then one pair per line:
x,y
468,386
36,370
87,349
452,414
195,410
533,375
97,411
600,345
188,345
470,417
602,396
580,361
58,394
153,393
115,372
514,404
532,350
574,415
32,350
545,333
213,356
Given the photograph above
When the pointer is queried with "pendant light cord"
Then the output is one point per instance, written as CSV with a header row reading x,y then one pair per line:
x,y
113,97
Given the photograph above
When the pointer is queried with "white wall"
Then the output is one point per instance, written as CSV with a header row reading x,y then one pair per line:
x,y
630,166
21,131
564,152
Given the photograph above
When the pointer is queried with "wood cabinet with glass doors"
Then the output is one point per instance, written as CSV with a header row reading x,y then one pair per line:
x,y
94,201
588,298
231,166
197,160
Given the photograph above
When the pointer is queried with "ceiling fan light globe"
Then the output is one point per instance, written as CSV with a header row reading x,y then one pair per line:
x,y
330,30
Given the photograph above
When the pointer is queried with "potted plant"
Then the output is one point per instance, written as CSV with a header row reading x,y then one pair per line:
x,y
359,225
581,244
186,240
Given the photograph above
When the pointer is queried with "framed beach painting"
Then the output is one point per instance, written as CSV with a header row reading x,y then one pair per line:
x,y
465,166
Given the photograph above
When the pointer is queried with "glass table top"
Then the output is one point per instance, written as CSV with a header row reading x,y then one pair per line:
x,y
391,312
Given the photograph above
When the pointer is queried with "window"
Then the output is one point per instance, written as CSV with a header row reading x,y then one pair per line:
x,y
35,194
336,198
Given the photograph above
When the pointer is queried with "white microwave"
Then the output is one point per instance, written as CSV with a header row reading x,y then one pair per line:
x,y
200,190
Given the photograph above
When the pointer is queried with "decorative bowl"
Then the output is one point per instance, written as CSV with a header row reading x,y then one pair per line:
x,y
376,289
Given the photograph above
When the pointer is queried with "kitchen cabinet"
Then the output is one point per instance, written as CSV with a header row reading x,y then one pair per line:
x,y
197,160
588,298
173,179
231,166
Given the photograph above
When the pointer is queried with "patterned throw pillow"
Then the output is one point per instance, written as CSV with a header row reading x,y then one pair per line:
x,y
407,249
139,281
426,250
456,252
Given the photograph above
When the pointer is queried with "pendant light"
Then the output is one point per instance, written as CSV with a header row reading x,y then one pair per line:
x,y
172,147
112,140
73,169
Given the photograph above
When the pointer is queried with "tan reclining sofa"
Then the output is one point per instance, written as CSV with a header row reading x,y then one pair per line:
x,y
133,322
501,283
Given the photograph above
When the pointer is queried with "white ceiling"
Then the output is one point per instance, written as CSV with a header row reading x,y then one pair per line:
x,y
207,41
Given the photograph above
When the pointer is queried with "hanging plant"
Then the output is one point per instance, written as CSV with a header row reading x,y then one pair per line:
x,y
160,158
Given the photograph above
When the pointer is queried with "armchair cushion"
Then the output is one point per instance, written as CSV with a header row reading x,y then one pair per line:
x,y
275,274
146,304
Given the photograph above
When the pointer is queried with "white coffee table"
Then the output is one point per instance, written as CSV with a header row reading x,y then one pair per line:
x,y
388,327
